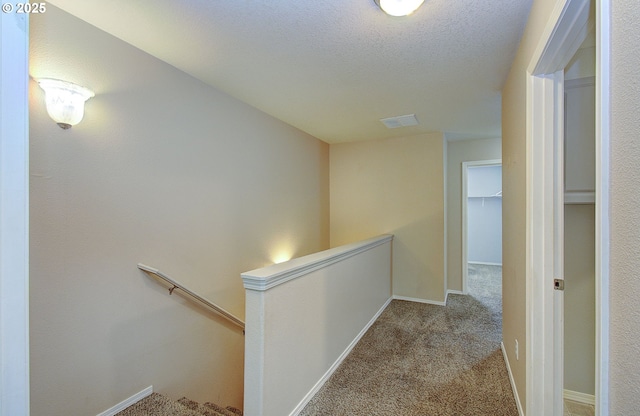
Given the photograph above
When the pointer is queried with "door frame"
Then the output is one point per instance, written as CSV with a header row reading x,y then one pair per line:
x,y
465,260
14,215
565,31
603,232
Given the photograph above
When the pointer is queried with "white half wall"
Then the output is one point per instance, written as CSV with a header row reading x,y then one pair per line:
x,y
302,318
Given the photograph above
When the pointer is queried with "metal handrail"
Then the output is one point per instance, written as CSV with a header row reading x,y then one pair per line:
x,y
175,285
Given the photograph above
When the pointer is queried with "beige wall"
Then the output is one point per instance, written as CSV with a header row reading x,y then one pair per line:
x,y
579,299
394,186
514,194
166,171
458,152
625,213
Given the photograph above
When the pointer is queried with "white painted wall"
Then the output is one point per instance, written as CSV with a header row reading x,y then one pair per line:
x,y
457,153
303,316
583,64
484,181
395,186
625,216
579,233
166,171
484,214
485,230
580,126
579,311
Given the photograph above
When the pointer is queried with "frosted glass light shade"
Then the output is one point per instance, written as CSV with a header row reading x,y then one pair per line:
x,y
399,7
65,101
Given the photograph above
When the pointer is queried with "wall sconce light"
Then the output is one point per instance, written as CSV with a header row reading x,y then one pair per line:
x,y
65,101
399,7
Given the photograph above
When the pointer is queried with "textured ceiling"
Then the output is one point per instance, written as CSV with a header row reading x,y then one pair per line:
x,y
333,68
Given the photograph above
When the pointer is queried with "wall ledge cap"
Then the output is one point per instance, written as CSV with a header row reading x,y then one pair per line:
x,y
271,276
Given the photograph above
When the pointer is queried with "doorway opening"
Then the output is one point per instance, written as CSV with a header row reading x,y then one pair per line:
x,y
565,31
482,233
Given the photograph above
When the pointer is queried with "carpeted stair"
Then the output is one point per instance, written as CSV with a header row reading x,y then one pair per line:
x,y
158,405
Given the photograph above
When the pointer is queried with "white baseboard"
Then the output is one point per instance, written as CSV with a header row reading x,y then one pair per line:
x,y
576,396
452,292
337,363
511,380
128,402
430,302
485,263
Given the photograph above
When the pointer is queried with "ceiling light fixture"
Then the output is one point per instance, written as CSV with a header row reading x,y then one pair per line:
x,y
399,7
65,101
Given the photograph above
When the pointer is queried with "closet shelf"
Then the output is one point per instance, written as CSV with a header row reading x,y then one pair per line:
x,y
579,197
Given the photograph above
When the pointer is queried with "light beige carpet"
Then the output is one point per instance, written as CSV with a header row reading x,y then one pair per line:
x,y
160,405
420,359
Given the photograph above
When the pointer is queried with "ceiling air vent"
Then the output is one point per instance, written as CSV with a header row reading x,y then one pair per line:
x,y
400,121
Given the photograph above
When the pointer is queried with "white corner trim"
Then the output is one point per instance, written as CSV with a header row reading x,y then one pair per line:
x,y
576,396
418,300
511,380
271,276
128,402
337,363
559,42
603,199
